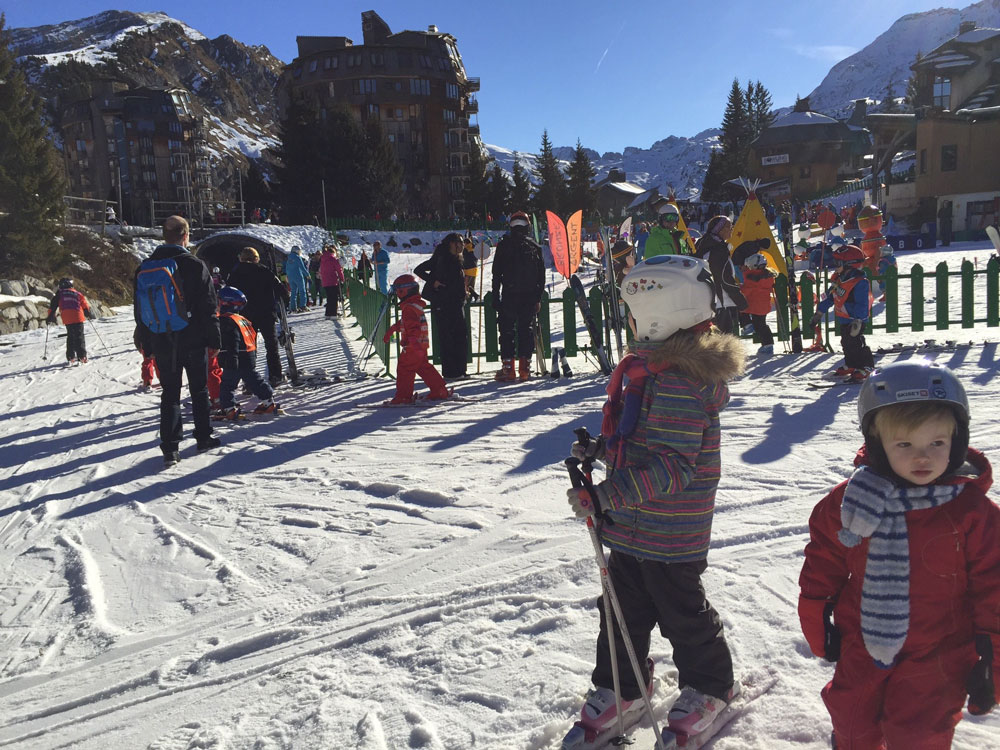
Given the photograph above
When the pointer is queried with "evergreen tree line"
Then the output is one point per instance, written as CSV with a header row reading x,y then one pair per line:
x,y
32,178
747,114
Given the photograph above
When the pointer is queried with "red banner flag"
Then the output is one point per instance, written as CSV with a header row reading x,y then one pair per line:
x,y
558,244
573,228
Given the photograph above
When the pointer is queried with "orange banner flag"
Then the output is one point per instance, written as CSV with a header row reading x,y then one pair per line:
x,y
573,229
558,244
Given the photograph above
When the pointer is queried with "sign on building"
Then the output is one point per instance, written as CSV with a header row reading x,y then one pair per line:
x,y
767,161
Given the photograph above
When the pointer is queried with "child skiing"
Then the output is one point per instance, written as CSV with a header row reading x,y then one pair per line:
x,y
73,309
849,296
414,342
238,358
901,580
144,345
660,442
757,287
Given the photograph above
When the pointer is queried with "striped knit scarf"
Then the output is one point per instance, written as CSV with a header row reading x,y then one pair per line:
x,y
875,507
621,410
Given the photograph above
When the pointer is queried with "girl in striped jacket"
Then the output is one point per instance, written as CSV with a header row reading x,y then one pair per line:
x,y
660,441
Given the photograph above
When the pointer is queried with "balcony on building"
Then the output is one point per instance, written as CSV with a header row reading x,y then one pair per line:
x,y
472,84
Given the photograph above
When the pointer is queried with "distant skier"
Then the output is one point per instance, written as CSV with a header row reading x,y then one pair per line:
x,y
758,288
901,580
660,442
414,343
73,309
849,297
518,283
238,357
886,260
714,247
331,273
380,259
298,280
665,238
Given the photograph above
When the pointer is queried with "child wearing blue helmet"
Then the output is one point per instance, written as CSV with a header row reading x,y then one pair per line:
x,y
238,358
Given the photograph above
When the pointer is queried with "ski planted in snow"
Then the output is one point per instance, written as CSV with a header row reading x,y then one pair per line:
x,y
588,317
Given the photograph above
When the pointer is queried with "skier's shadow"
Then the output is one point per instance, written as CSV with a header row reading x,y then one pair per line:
x,y
785,430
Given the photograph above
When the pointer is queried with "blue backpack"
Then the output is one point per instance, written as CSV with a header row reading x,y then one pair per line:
x,y
161,302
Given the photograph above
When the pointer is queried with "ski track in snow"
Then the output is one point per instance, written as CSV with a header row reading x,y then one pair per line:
x,y
380,579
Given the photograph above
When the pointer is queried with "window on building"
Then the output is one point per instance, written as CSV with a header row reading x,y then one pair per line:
x,y
416,137
425,61
373,110
942,92
420,87
327,63
397,85
451,90
364,86
81,145
923,161
414,110
981,214
378,58
354,60
444,63
805,171
949,158
400,113
297,72
312,65
391,137
330,89
449,115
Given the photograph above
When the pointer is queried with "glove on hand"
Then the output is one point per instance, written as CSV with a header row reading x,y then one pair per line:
x,y
856,326
815,320
763,243
385,339
816,619
582,503
594,450
980,684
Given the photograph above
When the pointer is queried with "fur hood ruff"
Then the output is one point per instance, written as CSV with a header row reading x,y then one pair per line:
x,y
712,357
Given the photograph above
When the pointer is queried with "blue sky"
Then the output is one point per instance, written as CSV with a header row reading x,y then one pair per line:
x,y
611,74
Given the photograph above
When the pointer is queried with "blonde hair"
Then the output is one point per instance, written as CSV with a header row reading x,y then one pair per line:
x,y
175,229
249,255
899,419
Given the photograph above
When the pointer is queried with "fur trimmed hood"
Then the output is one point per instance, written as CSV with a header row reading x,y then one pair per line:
x,y
712,357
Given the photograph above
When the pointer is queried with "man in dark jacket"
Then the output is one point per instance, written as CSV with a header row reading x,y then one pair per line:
x,y
184,350
714,248
518,283
263,291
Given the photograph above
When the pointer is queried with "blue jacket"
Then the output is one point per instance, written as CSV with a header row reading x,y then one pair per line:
x,y
856,303
296,268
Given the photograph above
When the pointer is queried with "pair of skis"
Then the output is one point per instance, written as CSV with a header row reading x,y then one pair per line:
x,y
559,358
596,340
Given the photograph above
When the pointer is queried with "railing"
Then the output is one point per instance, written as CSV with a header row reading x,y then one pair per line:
x,y
413,225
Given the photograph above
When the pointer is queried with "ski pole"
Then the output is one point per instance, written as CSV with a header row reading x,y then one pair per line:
x,y
98,336
45,352
581,478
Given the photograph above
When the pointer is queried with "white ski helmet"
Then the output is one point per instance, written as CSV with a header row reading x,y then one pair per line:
x,y
757,260
885,251
667,210
668,293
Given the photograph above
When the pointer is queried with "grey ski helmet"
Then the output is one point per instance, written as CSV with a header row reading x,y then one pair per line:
x,y
908,382
65,283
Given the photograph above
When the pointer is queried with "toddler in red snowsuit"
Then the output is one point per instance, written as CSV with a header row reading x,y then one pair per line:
x,y
415,343
901,581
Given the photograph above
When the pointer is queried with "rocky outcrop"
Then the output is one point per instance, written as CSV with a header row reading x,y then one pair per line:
x,y
24,304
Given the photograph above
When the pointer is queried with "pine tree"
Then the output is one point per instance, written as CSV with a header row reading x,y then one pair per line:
x,y
580,191
735,138
477,191
300,173
889,98
382,175
912,96
551,191
759,111
711,188
32,179
521,193
498,195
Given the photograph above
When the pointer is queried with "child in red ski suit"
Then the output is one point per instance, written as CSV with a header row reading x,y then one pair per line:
x,y
901,581
73,309
414,342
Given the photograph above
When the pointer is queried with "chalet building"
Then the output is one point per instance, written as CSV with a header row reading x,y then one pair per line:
x,y
809,152
615,194
953,133
140,145
415,83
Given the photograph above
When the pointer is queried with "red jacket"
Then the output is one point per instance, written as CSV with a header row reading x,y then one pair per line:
x,y
757,287
954,567
413,324
73,306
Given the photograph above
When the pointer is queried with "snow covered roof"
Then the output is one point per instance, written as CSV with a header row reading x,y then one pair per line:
x,y
625,187
643,197
976,35
803,118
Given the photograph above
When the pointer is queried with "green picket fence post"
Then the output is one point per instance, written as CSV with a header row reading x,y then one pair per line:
x,y
468,333
941,286
490,329
569,322
968,295
597,310
917,297
993,292
781,299
807,305
544,325
891,289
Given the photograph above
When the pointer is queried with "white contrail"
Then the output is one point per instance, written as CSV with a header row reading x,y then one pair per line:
x,y
608,48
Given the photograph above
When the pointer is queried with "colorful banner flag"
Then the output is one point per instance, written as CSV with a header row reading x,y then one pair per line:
x,y
573,229
752,225
558,244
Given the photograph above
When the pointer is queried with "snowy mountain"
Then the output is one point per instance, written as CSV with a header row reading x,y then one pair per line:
x,y
870,71
231,84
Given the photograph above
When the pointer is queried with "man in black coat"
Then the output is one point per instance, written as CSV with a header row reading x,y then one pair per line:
x,y
184,350
264,291
518,283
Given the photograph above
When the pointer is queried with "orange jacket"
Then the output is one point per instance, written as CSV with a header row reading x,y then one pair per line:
x,y
757,287
73,306
412,323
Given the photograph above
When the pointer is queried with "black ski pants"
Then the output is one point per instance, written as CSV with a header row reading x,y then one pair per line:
x,y
726,318
332,299
265,327
762,330
173,363
449,323
514,319
856,351
669,595
76,346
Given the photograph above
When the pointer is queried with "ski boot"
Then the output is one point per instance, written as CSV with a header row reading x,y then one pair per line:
x,y
599,716
766,351
524,369
506,372
266,407
208,443
859,375
693,712
230,414
844,371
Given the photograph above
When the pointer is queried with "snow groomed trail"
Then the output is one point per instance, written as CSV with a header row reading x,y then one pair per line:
x,y
377,579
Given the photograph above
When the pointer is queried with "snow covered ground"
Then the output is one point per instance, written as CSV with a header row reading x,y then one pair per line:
x,y
380,578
